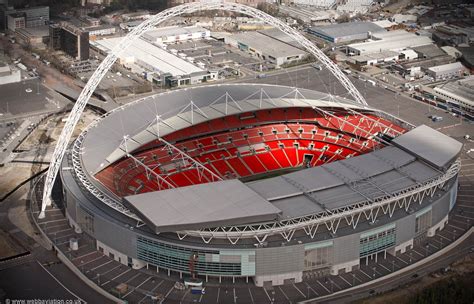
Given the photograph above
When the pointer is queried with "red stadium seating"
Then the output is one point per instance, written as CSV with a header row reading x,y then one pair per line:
x,y
243,145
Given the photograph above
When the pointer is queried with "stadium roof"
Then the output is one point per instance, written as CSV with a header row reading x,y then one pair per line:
x,y
430,145
222,203
359,179
348,29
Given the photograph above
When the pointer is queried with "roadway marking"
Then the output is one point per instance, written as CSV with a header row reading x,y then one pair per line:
x,y
167,294
218,291
400,260
365,273
438,241
65,236
417,253
151,291
54,226
457,221
383,267
184,295
462,216
323,286
251,297
309,287
270,299
127,270
235,297
52,221
136,287
84,255
342,278
55,232
294,285
146,280
334,283
100,257
449,240
92,269
465,206
133,277
61,284
283,293
200,297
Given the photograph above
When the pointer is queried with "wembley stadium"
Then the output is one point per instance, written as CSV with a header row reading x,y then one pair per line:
x,y
259,182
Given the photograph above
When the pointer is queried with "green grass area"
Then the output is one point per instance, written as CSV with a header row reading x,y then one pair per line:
x,y
455,290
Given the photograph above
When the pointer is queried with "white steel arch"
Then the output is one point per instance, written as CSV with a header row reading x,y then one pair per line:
x,y
139,31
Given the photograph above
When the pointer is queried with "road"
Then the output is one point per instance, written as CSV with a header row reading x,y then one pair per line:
x,y
39,275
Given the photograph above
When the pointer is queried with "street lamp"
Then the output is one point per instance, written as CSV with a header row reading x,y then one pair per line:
x,y
374,270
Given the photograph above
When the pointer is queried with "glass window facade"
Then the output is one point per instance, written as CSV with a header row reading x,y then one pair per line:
x,y
318,255
377,240
177,258
423,221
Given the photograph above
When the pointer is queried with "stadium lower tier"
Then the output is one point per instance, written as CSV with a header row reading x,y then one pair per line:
x,y
275,261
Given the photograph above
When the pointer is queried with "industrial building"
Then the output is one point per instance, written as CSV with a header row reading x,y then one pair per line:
x,y
70,39
34,16
347,199
9,75
266,48
172,34
373,59
445,71
355,6
100,30
388,41
157,64
37,37
16,21
344,32
458,93
324,4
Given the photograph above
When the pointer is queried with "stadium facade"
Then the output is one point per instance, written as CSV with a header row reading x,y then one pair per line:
x,y
261,182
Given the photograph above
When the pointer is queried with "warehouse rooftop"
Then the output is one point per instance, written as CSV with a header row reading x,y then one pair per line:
x,y
348,28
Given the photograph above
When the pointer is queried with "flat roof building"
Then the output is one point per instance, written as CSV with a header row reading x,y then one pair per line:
x,y
449,70
16,21
344,32
33,36
34,16
173,34
143,57
459,93
9,75
388,41
266,48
